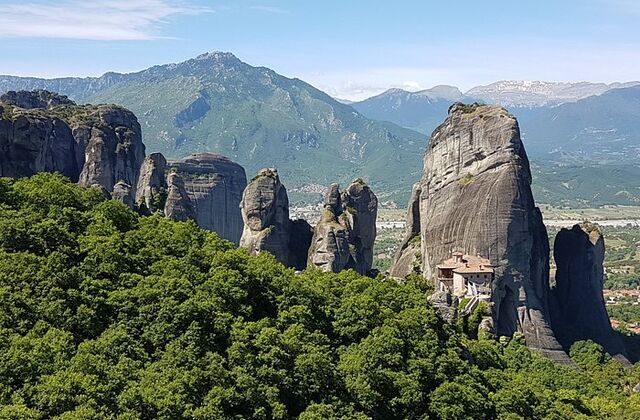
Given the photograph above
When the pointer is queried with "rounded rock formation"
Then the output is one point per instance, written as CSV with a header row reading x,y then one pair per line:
x,y
214,185
265,212
93,145
178,206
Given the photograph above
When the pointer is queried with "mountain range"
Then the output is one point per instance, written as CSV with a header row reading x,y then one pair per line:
x,y
583,138
253,115
215,102
422,110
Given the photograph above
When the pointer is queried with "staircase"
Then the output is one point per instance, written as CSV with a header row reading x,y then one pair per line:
x,y
470,306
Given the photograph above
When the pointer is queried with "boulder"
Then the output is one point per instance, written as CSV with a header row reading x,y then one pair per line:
x,y
475,196
579,311
446,305
485,329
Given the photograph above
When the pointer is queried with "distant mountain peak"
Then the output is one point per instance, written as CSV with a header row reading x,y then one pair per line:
x,y
534,93
394,90
448,92
217,56
439,92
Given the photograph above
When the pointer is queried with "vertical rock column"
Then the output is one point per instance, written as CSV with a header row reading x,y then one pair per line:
x,y
152,184
265,212
580,313
345,235
475,195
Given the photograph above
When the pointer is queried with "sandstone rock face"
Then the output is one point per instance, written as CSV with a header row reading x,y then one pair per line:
x,y
112,142
214,185
344,236
362,210
408,258
178,206
475,195
93,145
265,212
329,249
32,143
333,199
580,313
152,183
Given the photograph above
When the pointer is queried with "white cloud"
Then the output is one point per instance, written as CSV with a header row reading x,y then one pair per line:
x,y
411,85
113,20
269,9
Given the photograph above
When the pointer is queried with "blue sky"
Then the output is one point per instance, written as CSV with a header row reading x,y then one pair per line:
x,y
349,48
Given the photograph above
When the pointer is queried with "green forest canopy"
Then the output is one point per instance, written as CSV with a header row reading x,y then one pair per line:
x,y
106,314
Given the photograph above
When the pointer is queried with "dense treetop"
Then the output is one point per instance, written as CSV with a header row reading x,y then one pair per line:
x,y
106,314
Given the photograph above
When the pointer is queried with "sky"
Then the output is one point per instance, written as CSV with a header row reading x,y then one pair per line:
x,y
351,49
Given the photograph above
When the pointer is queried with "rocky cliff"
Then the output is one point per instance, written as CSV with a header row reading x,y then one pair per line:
x,y
267,227
579,311
152,183
344,236
102,146
178,206
93,145
475,195
205,187
265,212
408,259
213,185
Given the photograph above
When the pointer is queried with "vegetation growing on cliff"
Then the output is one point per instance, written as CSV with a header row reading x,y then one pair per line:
x,y
105,314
